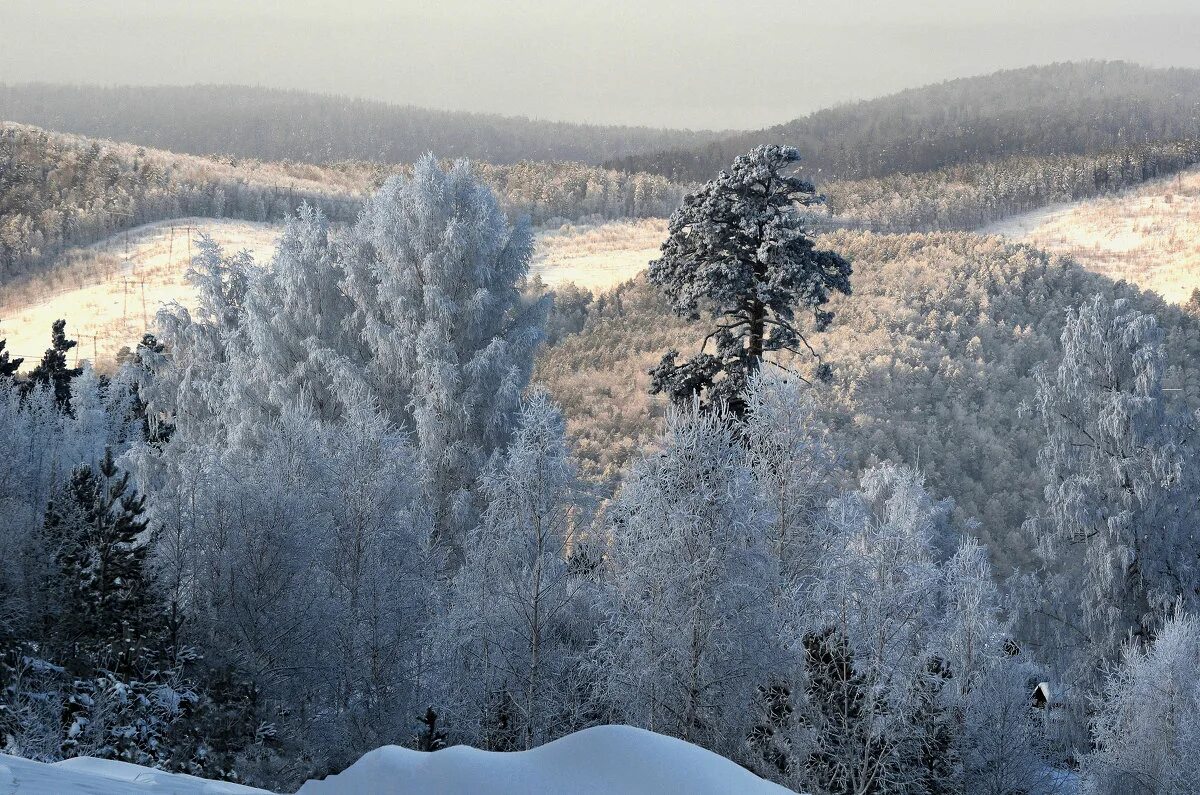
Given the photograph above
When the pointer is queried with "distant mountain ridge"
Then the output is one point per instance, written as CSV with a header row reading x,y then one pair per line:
x,y
1065,108
276,124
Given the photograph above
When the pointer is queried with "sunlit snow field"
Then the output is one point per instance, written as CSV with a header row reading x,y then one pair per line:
x,y
110,292
1149,235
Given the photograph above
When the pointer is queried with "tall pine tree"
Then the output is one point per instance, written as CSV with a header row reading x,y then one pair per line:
x,y
738,250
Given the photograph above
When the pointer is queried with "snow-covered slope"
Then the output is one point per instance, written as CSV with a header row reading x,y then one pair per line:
x,y
112,291
600,760
119,285
1148,235
85,776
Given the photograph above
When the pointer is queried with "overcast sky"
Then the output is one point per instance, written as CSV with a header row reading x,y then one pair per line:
x,y
691,63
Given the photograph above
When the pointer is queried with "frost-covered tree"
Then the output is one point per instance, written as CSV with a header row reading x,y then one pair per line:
x,y
510,638
298,321
867,644
878,686
1002,742
794,460
976,626
330,414
433,267
1117,537
1147,720
689,634
188,382
738,250
376,560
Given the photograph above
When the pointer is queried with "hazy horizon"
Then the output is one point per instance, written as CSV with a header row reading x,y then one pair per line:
x,y
660,63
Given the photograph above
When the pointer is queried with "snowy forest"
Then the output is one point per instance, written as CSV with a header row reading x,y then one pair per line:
x,y
59,192
370,493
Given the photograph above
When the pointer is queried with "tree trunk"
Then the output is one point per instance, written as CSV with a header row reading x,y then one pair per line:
x,y
757,330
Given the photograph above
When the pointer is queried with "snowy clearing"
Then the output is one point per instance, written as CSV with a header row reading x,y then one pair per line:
x,y
597,257
116,295
110,292
1149,235
604,759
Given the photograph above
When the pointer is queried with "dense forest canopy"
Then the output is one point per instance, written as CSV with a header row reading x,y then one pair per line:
x,y
932,358
1070,108
273,124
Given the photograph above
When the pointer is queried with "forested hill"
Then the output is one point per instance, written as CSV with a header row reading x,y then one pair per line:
x,y
59,191
1067,108
270,124
933,359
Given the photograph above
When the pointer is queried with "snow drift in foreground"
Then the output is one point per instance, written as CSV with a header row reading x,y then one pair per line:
x,y
604,759
87,776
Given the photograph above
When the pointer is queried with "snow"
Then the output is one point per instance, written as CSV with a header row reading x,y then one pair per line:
x,y
86,776
114,288
597,257
603,759
1148,235
120,284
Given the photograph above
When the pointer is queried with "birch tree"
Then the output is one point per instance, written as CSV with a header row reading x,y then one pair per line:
x,y
1117,535
433,267
510,640
689,633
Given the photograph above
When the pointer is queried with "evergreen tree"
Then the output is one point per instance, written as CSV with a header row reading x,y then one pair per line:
x,y
739,251
108,616
52,370
8,365
848,752
430,737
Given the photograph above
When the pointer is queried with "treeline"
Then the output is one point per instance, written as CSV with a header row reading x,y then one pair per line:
x,y
553,191
58,192
973,195
272,124
1069,108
